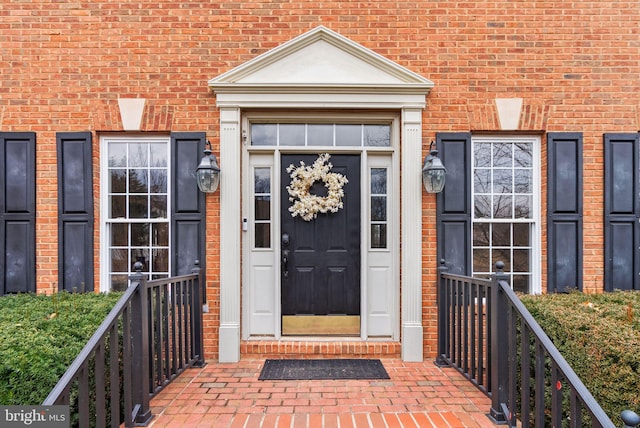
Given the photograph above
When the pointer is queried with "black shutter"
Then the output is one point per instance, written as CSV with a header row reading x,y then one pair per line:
x,y
622,213
454,203
187,204
17,212
564,211
75,211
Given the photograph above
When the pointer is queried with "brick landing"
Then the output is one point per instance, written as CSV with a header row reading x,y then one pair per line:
x,y
418,395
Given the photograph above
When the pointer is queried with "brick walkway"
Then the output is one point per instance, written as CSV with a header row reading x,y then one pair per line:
x,y
230,395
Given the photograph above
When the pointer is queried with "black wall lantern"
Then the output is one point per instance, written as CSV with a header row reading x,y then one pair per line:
x,y
208,172
434,173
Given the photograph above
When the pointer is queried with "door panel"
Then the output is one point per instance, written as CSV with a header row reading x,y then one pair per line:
x,y
321,273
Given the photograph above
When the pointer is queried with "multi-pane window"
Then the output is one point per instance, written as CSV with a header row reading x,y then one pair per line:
x,y
379,216
504,220
137,201
328,135
262,206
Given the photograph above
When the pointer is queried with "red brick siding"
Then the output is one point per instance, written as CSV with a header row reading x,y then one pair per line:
x,y
576,65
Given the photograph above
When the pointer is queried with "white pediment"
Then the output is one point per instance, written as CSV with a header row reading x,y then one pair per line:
x,y
319,61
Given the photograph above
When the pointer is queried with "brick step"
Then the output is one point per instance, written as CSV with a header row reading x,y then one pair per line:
x,y
304,348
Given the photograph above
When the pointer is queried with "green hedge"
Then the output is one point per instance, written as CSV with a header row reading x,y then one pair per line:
x,y
599,336
39,338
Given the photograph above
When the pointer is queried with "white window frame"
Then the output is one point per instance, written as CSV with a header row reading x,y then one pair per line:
x,y
105,221
535,221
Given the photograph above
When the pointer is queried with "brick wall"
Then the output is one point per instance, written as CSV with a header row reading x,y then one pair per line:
x,y
65,64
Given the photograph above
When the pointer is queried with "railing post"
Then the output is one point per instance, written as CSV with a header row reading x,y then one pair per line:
x,y
140,364
196,317
442,315
630,419
499,355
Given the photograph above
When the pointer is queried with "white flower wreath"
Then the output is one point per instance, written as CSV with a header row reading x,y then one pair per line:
x,y
306,205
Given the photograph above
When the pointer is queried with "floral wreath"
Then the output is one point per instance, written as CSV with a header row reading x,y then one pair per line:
x,y
306,205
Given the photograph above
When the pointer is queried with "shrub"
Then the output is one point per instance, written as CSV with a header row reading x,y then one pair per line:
x,y
599,336
39,338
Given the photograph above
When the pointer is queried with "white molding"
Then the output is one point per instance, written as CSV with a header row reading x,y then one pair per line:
x,y
411,233
320,61
230,229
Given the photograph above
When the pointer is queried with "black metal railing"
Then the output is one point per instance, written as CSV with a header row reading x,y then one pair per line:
x,y
153,333
487,334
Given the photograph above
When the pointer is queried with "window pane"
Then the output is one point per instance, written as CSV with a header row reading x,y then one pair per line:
x,y
521,235
378,236
139,234
292,134
160,260
117,206
158,155
263,235
264,134
522,206
481,261
160,234
140,255
521,261
158,206
502,155
502,206
482,206
521,283
158,181
119,282
263,207
523,155
119,235
119,261
377,135
138,207
481,234
378,208
522,180
379,181
138,154
262,180
482,181
320,135
138,181
117,181
482,155
502,181
501,235
348,135
117,154
501,255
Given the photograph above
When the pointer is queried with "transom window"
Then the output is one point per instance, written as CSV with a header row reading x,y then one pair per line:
x,y
505,207
320,134
137,208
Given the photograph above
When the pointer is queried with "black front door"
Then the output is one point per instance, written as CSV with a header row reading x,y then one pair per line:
x,y
320,266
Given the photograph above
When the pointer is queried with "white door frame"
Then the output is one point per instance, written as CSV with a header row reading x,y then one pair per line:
x,y
380,276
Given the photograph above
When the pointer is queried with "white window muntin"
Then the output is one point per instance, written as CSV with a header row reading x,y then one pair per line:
x,y
128,232
505,221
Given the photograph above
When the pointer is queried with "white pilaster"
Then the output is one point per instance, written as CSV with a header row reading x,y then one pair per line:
x,y
230,151
411,234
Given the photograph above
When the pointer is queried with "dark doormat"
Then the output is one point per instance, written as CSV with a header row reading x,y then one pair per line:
x,y
322,369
